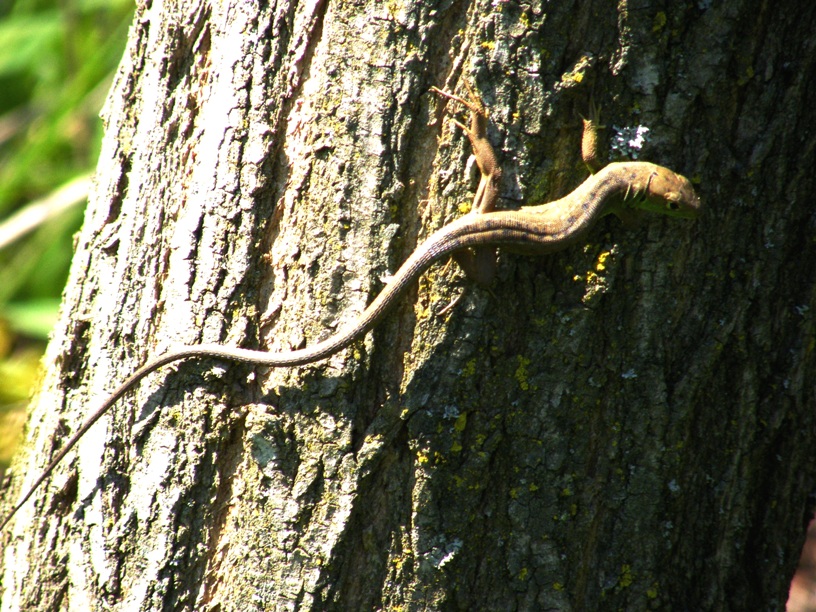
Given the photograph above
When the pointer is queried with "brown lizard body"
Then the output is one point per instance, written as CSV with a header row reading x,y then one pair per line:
x,y
544,228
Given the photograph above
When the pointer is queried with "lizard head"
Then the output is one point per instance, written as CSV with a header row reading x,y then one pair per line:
x,y
665,192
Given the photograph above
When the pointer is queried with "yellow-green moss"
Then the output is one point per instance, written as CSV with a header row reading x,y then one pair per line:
x,y
521,373
626,577
659,22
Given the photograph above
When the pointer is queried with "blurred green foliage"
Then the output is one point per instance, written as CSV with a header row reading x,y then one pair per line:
x,y
57,60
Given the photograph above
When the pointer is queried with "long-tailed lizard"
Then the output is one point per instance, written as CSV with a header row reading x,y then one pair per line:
x,y
618,188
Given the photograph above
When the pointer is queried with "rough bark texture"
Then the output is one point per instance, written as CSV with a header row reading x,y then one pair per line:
x,y
626,425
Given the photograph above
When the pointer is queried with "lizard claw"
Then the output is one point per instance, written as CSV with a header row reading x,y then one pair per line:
x,y
474,104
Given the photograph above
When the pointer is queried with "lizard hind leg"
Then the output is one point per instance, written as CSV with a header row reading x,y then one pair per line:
x,y
487,193
479,264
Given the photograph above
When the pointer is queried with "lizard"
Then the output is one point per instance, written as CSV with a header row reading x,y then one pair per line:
x,y
619,188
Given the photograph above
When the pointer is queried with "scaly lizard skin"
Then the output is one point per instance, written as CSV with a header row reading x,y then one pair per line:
x,y
618,188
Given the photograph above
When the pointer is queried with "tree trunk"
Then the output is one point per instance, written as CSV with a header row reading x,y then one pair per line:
x,y
622,425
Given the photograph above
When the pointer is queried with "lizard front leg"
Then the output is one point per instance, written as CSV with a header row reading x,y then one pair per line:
x,y
479,264
629,215
589,139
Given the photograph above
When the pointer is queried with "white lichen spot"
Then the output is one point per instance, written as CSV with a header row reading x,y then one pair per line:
x,y
450,412
442,555
628,141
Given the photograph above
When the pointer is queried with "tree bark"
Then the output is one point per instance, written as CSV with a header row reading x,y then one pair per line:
x,y
625,425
